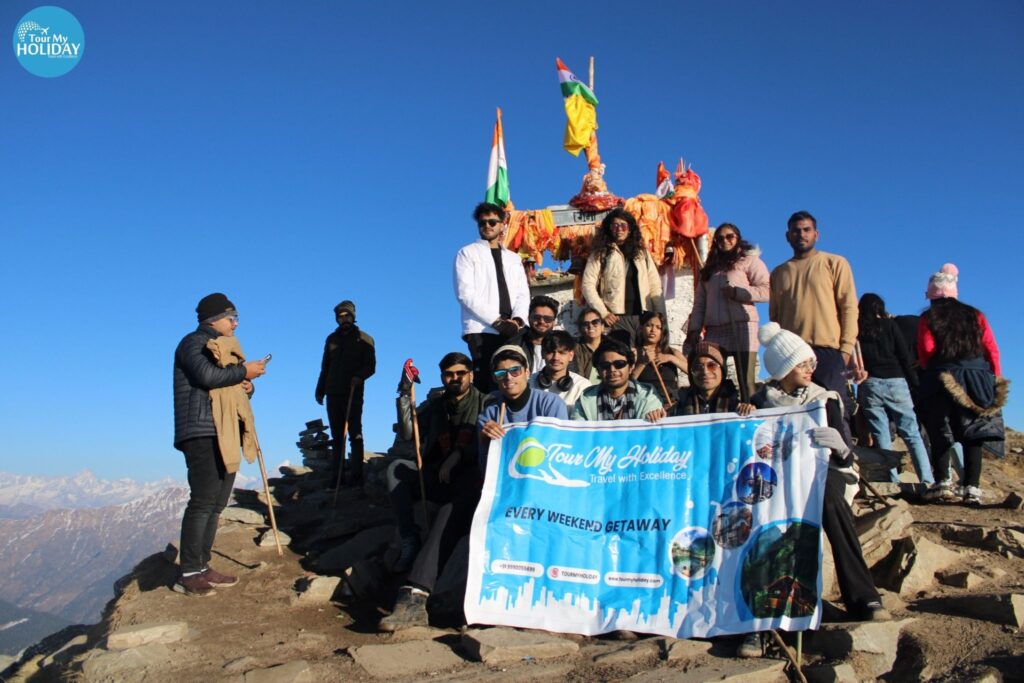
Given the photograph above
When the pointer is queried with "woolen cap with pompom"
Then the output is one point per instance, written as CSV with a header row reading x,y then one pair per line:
x,y
783,350
942,284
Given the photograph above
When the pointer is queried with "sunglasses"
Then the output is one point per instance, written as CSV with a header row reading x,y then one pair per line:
x,y
596,322
454,374
606,365
537,317
728,237
513,371
710,366
487,222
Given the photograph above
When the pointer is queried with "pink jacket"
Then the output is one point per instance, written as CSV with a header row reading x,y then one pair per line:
x,y
710,308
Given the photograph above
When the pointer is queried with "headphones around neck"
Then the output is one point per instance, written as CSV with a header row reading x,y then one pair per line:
x,y
563,384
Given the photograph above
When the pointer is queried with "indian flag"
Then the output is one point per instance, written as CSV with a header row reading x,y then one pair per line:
x,y
497,169
581,116
664,185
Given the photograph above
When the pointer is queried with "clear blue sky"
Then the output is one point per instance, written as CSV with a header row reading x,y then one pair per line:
x,y
296,154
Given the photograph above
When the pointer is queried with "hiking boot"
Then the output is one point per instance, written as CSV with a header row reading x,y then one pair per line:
x,y
750,647
972,495
215,578
410,610
195,585
874,611
410,549
941,493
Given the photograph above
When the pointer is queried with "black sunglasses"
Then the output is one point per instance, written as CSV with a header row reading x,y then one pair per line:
x,y
491,222
606,365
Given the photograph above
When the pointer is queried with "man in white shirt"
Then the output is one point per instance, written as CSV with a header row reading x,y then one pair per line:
x,y
490,284
555,377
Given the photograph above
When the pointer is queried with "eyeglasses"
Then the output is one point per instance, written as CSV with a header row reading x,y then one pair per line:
x,y
487,222
620,226
710,366
596,322
606,365
454,374
809,364
727,237
513,371
344,314
538,318
232,318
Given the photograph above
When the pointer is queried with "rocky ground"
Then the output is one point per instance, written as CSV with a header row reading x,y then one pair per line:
x,y
953,579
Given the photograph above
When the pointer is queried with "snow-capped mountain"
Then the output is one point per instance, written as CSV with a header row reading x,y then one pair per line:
x,y
23,496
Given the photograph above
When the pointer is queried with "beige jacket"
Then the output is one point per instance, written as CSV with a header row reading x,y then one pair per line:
x,y
232,412
605,289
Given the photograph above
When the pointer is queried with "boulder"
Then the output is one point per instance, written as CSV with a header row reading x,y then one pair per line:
x,y
912,565
128,637
243,515
964,535
1000,608
266,539
687,650
124,665
315,590
831,673
876,463
872,643
505,645
968,580
407,659
879,528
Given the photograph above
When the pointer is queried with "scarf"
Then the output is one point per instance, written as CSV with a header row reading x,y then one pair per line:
x,y
621,408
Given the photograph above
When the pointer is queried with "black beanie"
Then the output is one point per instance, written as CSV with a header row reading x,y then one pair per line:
x,y
212,305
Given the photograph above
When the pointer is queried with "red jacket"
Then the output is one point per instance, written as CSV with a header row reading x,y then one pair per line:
x,y
926,344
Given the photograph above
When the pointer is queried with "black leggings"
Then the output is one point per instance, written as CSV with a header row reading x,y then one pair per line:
x,y
972,463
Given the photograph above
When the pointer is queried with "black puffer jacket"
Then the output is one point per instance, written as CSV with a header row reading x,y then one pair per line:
x,y
195,373
346,355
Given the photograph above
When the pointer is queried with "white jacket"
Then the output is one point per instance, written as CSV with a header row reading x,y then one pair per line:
x,y
476,286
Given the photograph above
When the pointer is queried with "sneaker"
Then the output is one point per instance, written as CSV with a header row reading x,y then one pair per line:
x,y
410,549
750,647
941,492
410,610
195,585
874,611
972,495
215,578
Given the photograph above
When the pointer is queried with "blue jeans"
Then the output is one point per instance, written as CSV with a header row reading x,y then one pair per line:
x,y
885,399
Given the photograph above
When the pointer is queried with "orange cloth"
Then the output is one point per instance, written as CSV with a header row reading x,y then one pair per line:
x,y
652,215
687,215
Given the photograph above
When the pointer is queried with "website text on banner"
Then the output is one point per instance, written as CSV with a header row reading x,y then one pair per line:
x,y
694,526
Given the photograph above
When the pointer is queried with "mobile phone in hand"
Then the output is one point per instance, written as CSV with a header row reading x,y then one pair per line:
x,y
266,358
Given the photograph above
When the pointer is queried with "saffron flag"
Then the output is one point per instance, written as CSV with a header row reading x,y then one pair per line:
x,y
580,112
664,185
695,526
497,169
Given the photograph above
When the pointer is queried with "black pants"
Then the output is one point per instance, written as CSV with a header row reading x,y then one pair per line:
x,y
746,379
404,490
831,374
972,463
453,522
855,583
209,490
336,405
481,347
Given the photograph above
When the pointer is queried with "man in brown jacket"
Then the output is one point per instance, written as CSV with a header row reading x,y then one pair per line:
x,y
814,297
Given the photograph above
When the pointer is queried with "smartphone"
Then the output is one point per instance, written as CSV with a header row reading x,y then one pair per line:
x,y
266,358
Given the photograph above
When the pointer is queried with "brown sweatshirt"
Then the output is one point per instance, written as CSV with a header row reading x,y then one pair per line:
x,y
815,298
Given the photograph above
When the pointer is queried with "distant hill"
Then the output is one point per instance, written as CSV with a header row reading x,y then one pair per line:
x,y
20,627
63,563
25,496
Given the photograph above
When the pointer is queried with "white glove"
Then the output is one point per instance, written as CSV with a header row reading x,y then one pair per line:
x,y
829,437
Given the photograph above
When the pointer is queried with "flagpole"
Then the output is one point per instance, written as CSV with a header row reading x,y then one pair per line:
x,y
591,74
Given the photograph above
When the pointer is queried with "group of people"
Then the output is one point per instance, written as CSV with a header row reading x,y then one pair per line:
x,y
621,366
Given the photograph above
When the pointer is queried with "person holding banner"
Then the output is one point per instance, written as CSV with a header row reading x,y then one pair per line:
x,y
514,401
709,390
617,397
791,362
555,377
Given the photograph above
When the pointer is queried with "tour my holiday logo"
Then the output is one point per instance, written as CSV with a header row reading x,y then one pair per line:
x,y
49,41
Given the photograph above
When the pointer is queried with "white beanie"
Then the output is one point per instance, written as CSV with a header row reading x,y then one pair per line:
x,y
783,350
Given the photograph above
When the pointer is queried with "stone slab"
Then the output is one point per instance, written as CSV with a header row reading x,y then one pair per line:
x,y
405,659
316,590
234,513
642,651
362,546
266,539
292,672
128,637
968,580
831,673
123,665
686,650
721,670
1000,608
503,645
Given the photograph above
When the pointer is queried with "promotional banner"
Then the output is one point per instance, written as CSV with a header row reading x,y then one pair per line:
x,y
695,526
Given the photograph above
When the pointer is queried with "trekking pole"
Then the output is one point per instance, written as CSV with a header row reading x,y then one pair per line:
x,y
661,381
344,433
266,490
789,653
419,457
